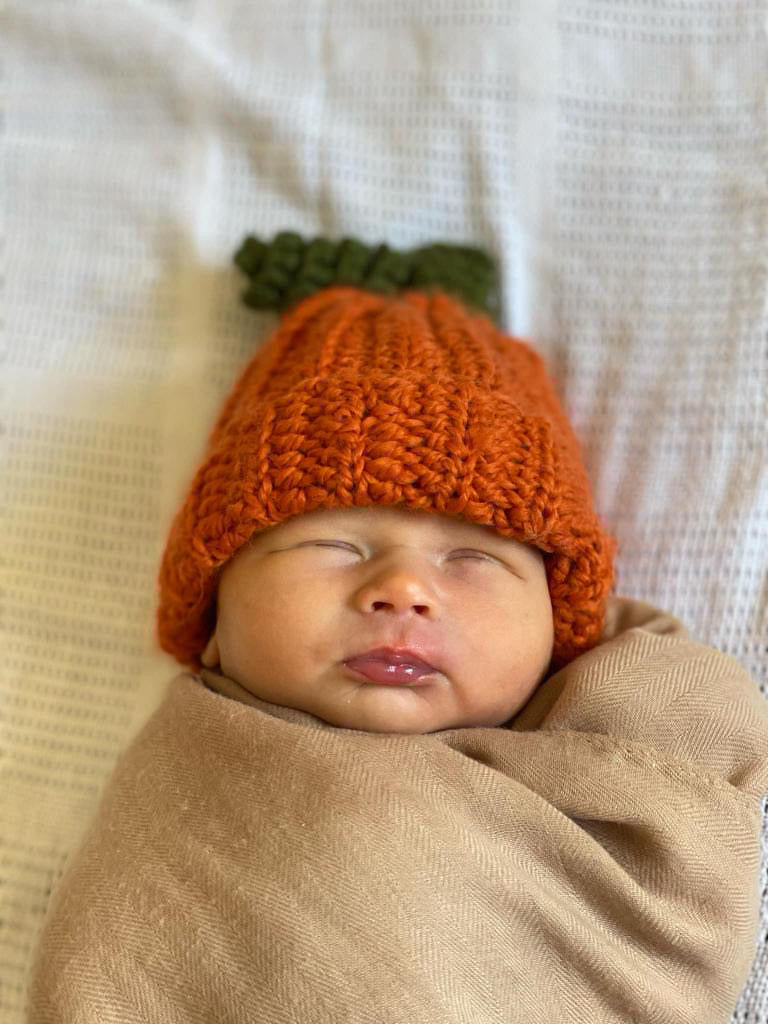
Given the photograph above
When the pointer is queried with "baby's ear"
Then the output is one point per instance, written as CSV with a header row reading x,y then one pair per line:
x,y
210,656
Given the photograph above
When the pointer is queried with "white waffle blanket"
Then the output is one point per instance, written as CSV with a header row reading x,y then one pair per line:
x,y
612,156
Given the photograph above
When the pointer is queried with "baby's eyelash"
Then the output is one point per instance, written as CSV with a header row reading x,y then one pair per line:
x,y
477,555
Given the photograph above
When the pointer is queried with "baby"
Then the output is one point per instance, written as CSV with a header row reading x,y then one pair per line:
x,y
379,443
422,766
300,604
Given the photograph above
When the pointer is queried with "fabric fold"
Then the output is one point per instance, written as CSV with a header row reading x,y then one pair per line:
x,y
597,858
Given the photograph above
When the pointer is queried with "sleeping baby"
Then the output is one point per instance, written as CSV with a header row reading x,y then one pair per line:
x,y
422,765
401,621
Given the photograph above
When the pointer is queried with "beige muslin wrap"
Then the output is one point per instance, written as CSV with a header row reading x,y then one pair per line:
x,y
597,859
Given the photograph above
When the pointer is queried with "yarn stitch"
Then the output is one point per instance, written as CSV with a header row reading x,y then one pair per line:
x,y
288,269
403,398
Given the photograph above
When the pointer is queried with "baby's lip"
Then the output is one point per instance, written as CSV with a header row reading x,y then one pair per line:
x,y
397,656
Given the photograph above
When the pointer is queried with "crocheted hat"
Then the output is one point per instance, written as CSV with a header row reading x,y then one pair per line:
x,y
387,382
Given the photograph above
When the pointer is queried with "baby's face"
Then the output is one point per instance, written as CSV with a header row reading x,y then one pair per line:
x,y
302,597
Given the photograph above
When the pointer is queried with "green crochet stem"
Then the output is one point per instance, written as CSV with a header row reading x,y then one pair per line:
x,y
288,269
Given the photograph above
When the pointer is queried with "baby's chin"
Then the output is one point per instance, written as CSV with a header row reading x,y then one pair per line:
x,y
379,726
369,707
386,709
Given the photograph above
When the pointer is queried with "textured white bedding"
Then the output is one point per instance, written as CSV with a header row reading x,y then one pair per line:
x,y
611,155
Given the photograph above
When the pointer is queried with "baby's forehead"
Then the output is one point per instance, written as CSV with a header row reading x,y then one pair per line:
x,y
375,517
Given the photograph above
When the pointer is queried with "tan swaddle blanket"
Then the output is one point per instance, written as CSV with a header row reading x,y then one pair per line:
x,y
596,859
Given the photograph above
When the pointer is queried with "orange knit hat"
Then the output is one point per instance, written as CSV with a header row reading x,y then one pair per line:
x,y
408,398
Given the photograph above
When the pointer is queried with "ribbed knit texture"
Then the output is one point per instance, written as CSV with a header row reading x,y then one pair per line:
x,y
361,399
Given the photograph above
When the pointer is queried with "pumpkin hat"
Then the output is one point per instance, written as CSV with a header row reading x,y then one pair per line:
x,y
387,382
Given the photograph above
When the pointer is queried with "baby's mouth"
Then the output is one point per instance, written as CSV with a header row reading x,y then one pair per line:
x,y
390,673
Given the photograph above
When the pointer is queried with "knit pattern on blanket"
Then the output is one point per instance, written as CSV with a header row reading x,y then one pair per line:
x,y
595,859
